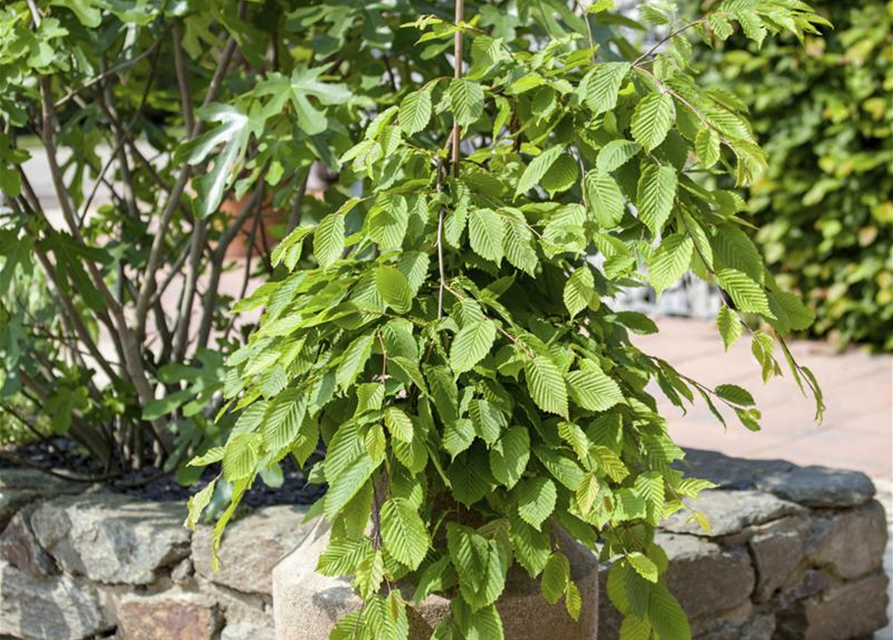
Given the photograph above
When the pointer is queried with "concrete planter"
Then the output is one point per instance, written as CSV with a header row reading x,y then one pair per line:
x,y
306,605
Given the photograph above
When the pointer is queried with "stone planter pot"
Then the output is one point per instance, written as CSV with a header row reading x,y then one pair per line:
x,y
306,605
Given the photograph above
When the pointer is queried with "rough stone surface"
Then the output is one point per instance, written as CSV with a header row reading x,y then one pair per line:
x,y
251,548
845,612
819,486
56,608
705,577
306,605
777,550
730,512
171,615
20,548
734,474
248,631
20,487
754,627
110,538
849,543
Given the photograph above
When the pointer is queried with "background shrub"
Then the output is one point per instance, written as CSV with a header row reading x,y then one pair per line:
x,y
825,204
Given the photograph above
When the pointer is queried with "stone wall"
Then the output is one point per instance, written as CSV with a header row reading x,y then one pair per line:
x,y
794,553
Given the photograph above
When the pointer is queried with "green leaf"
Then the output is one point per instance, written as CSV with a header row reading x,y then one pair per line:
x,y
509,456
415,111
579,290
483,624
197,503
486,233
404,533
240,459
707,147
347,484
471,345
328,240
670,262
394,288
615,154
562,175
532,548
642,565
536,501
592,389
556,576
399,424
458,435
735,394
666,616
537,169
546,385
573,601
746,294
656,193
652,119
283,419
354,360
518,242
601,86
604,198
466,100
635,628
729,326
488,420
482,565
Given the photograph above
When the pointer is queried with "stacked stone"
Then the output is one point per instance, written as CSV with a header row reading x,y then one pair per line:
x,y
794,553
99,564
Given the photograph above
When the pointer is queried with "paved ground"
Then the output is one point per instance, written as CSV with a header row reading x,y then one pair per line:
x,y
857,432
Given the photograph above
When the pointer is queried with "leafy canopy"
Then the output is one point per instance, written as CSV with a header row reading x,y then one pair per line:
x,y
456,343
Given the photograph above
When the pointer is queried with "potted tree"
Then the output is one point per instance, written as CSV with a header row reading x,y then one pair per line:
x,y
455,347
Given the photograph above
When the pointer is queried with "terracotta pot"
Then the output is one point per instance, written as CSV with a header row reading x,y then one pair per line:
x,y
263,236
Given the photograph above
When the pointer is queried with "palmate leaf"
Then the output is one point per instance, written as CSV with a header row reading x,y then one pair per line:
x,y
471,345
656,193
652,119
546,385
404,533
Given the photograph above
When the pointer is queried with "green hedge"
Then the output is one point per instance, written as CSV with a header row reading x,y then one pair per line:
x,y
825,204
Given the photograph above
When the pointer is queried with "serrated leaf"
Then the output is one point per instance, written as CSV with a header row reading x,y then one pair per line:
x,y
601,86
394,289
466,100
518,243
652,120
486,233
197,503
562,175
283,419
536,501
746,294
556,576
404,533
604,198
579,290
483,624
573,601
666,615
328,240
399,424
537,169
509,456
707,147
354,360
656,193
729,326
615,154
532,548
735,394
458,435
670,261
471,345
546,386
415,111
592,389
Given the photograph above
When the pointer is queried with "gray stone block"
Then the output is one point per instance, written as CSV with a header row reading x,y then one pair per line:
x,y
849,543
111,538
730,512
21,487
20,548
54,608
844,612
251,547
706,578
777,551
819,486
